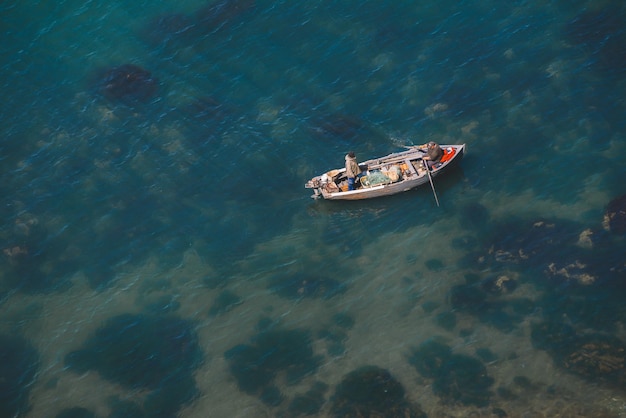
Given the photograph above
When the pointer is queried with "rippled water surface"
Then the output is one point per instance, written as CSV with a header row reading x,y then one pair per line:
x,y
160,256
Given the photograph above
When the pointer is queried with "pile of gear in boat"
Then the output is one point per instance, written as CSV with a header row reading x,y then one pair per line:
x,y
397,172
384,176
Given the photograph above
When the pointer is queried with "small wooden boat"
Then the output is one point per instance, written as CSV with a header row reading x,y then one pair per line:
x,y
392,174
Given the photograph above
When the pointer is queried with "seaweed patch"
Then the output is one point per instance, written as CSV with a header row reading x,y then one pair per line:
x,y
155,353
371,391
272,352
18,369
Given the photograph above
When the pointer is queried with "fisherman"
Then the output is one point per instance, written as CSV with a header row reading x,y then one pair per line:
x,y
433,153
353,171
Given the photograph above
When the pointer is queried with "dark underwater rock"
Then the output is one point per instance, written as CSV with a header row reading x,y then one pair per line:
x,y
529,244
498,284
468,298
592,27
145,352
125,409
372,392
168,399
575,271
133,233
222,13
337,127
552,336
182,28
139,351
335,338
463,379
456,378
593,356
489,302
128,84
601,32
615,216
309,403
597,308
434,264
429,357
613,54
343,320
19,363
76,412
456,99
336,333
598,357
530,240
446,320
474,215
36,260
271,353
207,108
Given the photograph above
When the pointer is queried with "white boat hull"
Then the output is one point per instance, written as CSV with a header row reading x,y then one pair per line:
x,y
332,185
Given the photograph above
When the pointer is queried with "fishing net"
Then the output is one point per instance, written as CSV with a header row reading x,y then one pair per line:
x,y
375,178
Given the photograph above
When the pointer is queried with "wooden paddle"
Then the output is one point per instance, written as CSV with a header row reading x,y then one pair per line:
x,y
431,181
432,186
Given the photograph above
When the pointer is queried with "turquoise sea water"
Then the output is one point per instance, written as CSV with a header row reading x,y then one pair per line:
x,y
161,257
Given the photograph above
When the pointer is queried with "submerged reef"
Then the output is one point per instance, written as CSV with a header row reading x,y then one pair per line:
x,y
29,254
601,33
458,100
19,363
550,253
594,356
211,19
371,391
337,127
615,216
76,412
457,379
530,243
147,352
216,15
272,352
310,402
336,333
485,301
128,84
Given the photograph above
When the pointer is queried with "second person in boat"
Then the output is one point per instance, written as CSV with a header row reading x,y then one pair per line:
x,y
433,153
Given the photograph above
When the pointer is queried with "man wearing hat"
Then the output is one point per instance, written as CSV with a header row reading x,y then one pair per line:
x,y
433,153
352,169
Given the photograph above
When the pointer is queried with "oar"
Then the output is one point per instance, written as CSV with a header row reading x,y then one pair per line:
x,y
431,181
413,147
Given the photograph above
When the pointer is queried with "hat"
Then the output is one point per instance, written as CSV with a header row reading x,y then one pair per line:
x,y
351,154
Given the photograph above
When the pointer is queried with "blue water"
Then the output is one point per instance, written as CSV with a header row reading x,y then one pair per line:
x,y
161,256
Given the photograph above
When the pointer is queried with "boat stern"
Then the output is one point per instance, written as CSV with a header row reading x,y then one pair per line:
x,y
316,183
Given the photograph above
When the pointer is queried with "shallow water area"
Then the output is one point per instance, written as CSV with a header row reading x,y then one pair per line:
x,y
160,256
